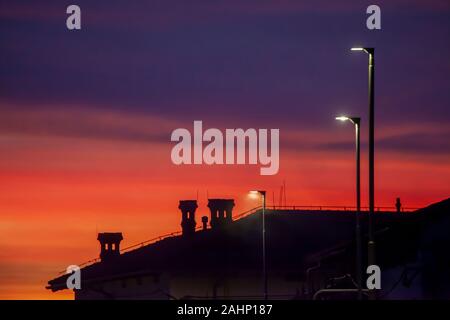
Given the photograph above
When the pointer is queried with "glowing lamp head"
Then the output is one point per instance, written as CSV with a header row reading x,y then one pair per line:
x,y
357,49
342,118
254,194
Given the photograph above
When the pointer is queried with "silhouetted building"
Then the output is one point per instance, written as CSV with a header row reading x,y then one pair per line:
x,y
307,250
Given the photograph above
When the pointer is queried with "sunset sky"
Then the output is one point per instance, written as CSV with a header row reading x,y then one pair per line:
x,y
86,116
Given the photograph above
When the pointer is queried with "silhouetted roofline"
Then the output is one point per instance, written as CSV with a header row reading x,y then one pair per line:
x,y
58,283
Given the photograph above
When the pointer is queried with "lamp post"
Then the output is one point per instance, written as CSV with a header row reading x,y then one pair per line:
x,y
371,244
264,270
357,122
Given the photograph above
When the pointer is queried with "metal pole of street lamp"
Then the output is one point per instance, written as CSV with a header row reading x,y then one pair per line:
x,y
371,243
264,267
357,122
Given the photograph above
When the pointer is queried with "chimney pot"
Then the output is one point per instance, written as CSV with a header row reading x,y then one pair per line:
x,y
188,223
205,222
109,245
398,205
221,211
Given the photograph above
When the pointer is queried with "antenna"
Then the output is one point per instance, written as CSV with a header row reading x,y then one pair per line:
x,y
273,199
280,202
284,189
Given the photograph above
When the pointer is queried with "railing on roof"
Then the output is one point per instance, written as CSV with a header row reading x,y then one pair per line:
x,y
338,208
247,213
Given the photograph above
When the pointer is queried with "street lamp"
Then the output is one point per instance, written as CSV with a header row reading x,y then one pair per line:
x,y
357,122
263,195
371,244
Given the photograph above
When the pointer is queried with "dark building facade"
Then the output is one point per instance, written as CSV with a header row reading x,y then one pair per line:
x,y
307,251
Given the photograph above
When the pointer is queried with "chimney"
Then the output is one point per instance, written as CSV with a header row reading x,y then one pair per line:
x,y
188,208
205,222
109,245
398,205
221,212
